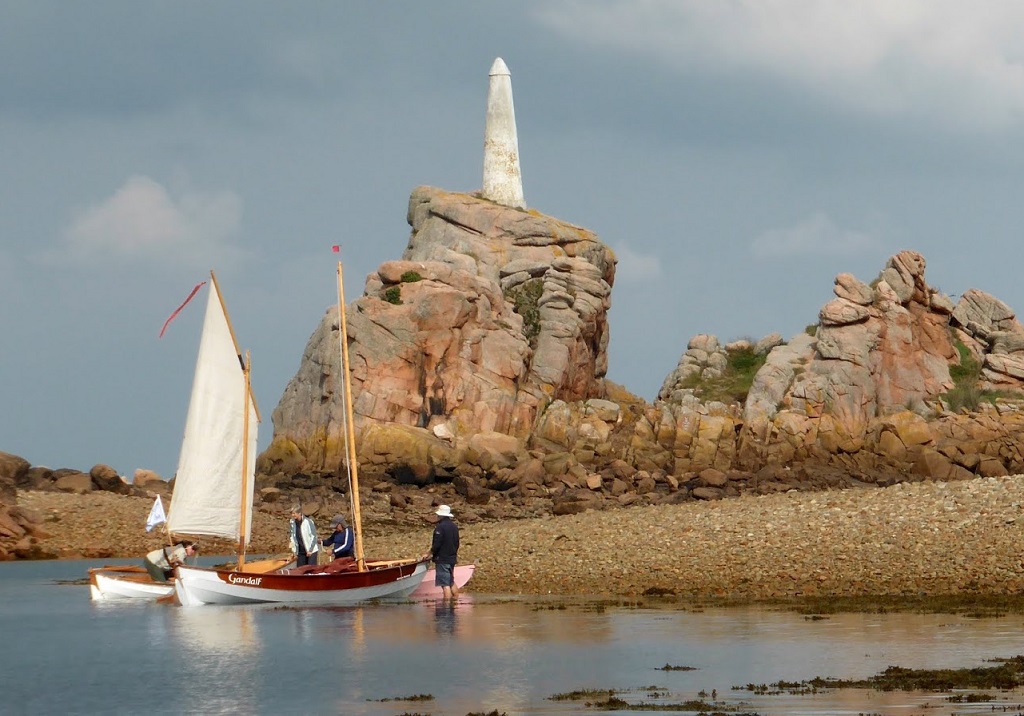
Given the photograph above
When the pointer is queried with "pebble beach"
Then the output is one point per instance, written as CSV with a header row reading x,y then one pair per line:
x,y
910,539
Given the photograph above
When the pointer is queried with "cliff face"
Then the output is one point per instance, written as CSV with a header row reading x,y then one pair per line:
x,y
490,313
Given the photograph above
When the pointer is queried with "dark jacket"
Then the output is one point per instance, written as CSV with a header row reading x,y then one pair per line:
x,y
445,546
343,542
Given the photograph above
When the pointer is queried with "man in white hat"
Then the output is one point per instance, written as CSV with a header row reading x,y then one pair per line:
x,y
444,550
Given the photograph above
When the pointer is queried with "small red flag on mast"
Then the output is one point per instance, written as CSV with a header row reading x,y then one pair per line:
x,y
178,309
335,248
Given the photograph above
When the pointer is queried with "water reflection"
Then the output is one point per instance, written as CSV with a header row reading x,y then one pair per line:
x,y
444,618
218,648
210,632
499,654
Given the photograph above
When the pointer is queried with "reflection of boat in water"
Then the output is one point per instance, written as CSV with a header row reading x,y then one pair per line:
x,y
427,589
210,633
341,582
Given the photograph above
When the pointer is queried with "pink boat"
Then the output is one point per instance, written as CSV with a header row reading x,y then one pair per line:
x,y
426,590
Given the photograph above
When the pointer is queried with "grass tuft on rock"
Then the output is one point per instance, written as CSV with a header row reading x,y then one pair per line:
x,y
394,295
966,393
524,299
734,383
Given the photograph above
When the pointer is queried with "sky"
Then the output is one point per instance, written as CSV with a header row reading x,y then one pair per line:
x,y
735,155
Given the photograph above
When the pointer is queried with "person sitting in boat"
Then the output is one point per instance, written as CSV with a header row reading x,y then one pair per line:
x,y
302,537
342,539
160,563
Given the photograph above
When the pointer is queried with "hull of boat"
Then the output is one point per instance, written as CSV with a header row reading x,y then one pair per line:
x,y
427,589
119,584
196,586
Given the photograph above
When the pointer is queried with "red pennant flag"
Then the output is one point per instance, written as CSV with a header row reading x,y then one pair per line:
x,y
335,248
178,309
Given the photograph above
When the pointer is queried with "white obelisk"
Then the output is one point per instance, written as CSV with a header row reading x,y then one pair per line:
x,y
503,181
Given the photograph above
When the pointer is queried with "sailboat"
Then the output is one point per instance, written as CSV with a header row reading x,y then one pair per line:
x,y
215,477
342,582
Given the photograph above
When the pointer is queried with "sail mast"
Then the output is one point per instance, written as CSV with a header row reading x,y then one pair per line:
x,y
350,436
248,399
244,512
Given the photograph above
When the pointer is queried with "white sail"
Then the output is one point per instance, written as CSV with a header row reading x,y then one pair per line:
x,y
208,487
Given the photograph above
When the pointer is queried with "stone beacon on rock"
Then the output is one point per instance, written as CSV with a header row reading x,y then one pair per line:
x,y
503,180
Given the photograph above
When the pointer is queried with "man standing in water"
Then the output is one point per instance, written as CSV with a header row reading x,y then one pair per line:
x,y
444,550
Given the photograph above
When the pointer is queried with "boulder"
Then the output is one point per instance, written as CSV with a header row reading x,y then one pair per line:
x,y
13,468
77,482
575,501
490,450
471,489
8,491
37,478
107,478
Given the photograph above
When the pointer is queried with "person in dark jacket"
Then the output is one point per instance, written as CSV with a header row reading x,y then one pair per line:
x,y
444,550
342,539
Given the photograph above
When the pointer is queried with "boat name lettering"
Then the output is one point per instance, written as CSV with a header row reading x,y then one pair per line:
x,y
252,581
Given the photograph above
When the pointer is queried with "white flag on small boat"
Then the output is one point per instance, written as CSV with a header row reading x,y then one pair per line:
x,y
156,515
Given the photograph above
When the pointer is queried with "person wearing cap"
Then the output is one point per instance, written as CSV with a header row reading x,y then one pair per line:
x,y
444,550
302,537
342,539
160,563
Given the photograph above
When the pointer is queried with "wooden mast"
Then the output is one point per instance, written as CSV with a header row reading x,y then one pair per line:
x,y
244,363
244,512
350,434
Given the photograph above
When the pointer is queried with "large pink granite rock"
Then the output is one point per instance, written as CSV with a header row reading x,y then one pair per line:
x,y
491,313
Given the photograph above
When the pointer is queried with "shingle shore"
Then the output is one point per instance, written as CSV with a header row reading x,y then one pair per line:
x,y
922,538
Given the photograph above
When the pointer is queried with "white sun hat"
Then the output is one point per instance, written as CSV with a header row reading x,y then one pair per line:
x,y
444,511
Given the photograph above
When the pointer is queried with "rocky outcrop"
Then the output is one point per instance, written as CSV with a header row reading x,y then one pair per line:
x,y
479,361
863,392
18,528
993,336
491,313
876,348
858,399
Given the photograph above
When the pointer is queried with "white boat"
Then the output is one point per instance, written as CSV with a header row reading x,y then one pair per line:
x,y
339,583
428,590
114,583
213,484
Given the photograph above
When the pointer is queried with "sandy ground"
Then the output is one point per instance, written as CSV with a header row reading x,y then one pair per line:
x,y
910,539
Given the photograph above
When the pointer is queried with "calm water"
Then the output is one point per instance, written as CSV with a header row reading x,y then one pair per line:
x,y
62,653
